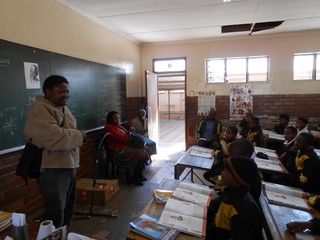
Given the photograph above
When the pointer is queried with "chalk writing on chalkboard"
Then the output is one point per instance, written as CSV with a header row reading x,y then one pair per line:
x,y
95,89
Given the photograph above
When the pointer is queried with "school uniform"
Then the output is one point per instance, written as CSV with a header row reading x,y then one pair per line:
x,y
305,174
235,214
255,136
220,153
238,216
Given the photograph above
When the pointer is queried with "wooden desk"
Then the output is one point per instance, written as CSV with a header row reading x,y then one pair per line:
x,y
155,209
278,216
192,162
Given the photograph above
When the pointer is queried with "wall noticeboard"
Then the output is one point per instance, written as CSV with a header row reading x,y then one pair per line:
x,y
95,89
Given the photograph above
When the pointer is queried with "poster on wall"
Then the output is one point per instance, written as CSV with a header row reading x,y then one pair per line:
x,y
205,103
241,100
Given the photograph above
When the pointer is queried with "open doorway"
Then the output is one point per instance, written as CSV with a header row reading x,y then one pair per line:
x,y
171,74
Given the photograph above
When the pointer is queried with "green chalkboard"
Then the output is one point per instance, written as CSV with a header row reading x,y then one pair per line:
x,y
95,89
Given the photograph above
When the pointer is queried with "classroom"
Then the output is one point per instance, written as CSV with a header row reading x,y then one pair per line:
x,y
53,27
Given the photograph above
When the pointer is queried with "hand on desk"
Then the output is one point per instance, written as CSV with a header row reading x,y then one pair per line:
x,y
294,227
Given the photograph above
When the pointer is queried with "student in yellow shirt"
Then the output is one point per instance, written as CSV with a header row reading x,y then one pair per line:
x,y
221,153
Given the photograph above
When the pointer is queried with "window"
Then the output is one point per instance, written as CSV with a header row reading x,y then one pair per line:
x,y
306,66
169,65
237,70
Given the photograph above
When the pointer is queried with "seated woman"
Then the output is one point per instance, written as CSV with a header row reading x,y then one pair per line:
x,y
129,156
140,126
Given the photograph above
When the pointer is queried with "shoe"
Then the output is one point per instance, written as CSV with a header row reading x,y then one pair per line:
x,y
143,179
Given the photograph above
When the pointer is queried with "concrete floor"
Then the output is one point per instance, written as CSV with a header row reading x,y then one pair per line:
x,y
130,200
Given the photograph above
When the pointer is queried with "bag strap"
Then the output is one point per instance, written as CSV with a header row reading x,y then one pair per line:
x,y
64,118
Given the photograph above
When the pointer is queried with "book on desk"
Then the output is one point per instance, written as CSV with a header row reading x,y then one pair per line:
x,y
270,165
186,217
149,227
201,152
273,135
193,193
286,196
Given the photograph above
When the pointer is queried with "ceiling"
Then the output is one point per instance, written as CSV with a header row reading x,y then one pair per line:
x,y
152,21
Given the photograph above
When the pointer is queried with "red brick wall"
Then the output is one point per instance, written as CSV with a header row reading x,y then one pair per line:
x,y
293,104
15,196
272,105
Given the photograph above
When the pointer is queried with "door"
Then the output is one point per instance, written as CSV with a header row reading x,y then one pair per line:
x,y
152,105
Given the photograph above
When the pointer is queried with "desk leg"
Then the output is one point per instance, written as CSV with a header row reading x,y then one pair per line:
x,y
191,171
178,169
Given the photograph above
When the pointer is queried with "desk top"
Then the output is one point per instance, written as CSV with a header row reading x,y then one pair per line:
x,y
194,161
155,209
273,135
278,216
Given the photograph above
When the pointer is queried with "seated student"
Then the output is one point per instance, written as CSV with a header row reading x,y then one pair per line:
x,y
255,132
287,155
305,170
243,147
279,129
221,153
140,126
244,124
302,125
235,214
283,123
290,134
209,130
129,156
313,225
314,201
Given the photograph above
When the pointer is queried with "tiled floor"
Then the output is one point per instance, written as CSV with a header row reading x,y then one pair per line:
x,y
130,200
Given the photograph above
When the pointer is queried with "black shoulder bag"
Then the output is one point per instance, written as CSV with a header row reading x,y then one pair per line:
x,y
30,161
137,141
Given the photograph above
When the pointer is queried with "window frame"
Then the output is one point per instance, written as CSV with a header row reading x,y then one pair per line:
x,y
168,59
316,58
247,74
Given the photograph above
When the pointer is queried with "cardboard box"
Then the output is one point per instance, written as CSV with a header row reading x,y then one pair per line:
x,y
104,190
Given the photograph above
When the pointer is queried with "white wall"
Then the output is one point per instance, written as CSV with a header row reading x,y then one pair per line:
x,y
49,25
280,49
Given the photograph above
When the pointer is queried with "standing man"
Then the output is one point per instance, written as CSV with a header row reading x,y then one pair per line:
x,y
209,130
51,126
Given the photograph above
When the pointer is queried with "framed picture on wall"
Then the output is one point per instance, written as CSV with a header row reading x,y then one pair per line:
x,y
205,102
241,100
